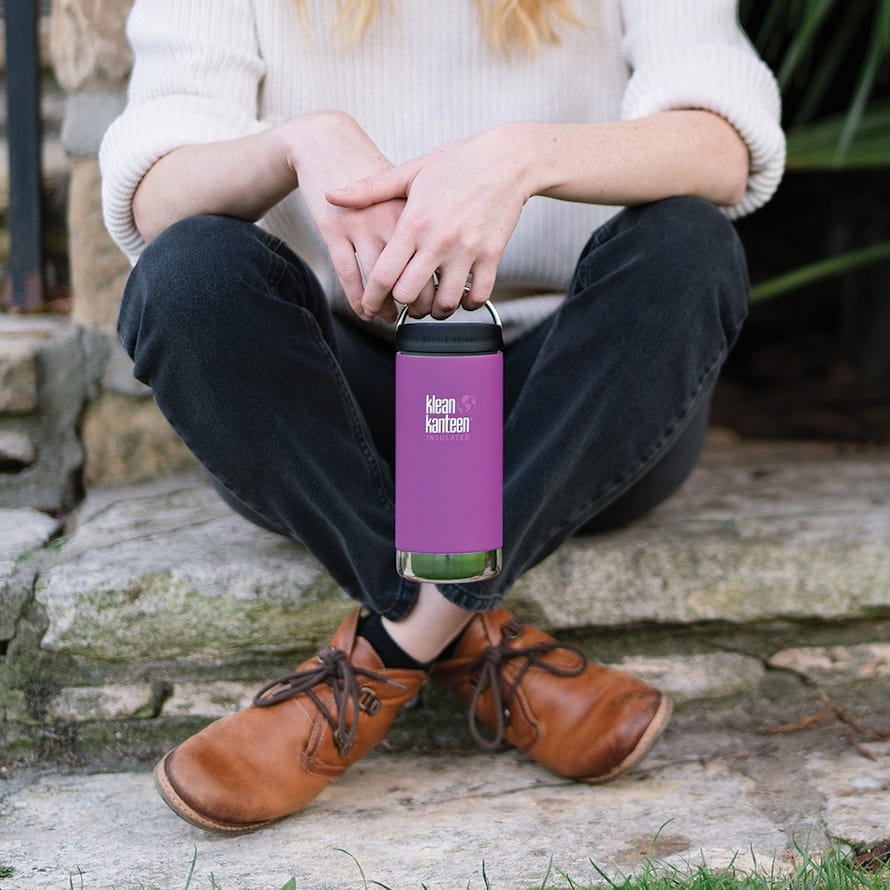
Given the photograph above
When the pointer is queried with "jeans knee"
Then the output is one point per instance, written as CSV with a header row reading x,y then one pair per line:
x,y
195,255
697,246
187,270
178,284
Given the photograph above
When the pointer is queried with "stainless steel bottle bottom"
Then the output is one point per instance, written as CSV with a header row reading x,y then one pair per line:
x,y
451,567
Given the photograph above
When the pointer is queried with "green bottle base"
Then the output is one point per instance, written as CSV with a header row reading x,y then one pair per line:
x,y
451,567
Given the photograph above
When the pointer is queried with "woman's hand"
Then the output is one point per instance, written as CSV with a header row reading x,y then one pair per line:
x,y
461,203
246,177
448,213
464,199
326,149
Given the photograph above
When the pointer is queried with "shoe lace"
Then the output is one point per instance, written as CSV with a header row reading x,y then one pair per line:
x,y
487,671
336,671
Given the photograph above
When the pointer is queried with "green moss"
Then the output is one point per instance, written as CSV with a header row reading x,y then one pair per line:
x,y
162,616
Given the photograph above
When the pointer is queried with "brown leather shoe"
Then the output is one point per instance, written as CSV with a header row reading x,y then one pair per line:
x,y
302,732
578,718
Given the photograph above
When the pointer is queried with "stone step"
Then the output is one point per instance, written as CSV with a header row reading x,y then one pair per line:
x,y
159,607
445,820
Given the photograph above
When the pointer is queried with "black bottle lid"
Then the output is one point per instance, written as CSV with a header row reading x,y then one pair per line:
x,y
427,336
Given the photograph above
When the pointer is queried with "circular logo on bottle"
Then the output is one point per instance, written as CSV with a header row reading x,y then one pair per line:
x,y
467,404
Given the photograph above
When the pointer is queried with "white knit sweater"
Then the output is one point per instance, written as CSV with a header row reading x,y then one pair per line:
x,y
209,70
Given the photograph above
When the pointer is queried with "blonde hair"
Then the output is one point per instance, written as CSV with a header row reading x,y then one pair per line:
x,y
505,23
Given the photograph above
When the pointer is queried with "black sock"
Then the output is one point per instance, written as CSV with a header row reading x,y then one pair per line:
x,y
391,654
449,650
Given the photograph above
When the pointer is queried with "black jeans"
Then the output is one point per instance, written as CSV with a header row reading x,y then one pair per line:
x,y
290,409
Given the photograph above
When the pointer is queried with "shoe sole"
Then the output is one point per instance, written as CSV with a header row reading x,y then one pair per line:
x,y
184,811
168,793
655,728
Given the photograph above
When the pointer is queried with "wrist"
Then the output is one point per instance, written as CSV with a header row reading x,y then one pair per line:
x,y
539,150
296,138
331,140
516,143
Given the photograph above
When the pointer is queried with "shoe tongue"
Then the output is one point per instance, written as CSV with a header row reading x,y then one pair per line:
x,y
364,654
484,630
495,622
344,635
359,650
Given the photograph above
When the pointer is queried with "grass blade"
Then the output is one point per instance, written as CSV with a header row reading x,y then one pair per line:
x,y
188,880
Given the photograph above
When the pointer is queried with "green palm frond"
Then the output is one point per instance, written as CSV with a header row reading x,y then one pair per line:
x,y
814,146
819,271
808,42
812,44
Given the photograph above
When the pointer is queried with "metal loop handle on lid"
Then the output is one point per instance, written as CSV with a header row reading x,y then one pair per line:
x,y
492,311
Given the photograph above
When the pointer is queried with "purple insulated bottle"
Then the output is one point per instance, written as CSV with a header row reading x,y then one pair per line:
x,y
449,446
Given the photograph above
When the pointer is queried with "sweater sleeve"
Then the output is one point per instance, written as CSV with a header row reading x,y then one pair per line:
x,y
195,78
693,54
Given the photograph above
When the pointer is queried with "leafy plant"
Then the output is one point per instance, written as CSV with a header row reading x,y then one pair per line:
x,y
811,44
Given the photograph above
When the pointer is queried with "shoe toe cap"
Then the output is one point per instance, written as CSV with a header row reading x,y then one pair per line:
x,y
638,718
607,740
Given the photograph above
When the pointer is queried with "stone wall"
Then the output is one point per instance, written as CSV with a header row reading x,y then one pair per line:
x,y
44,383
91,61
71,414
124,436
758,592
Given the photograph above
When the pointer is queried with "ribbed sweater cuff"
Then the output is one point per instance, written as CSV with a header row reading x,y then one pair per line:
x,y
730,82
134,142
